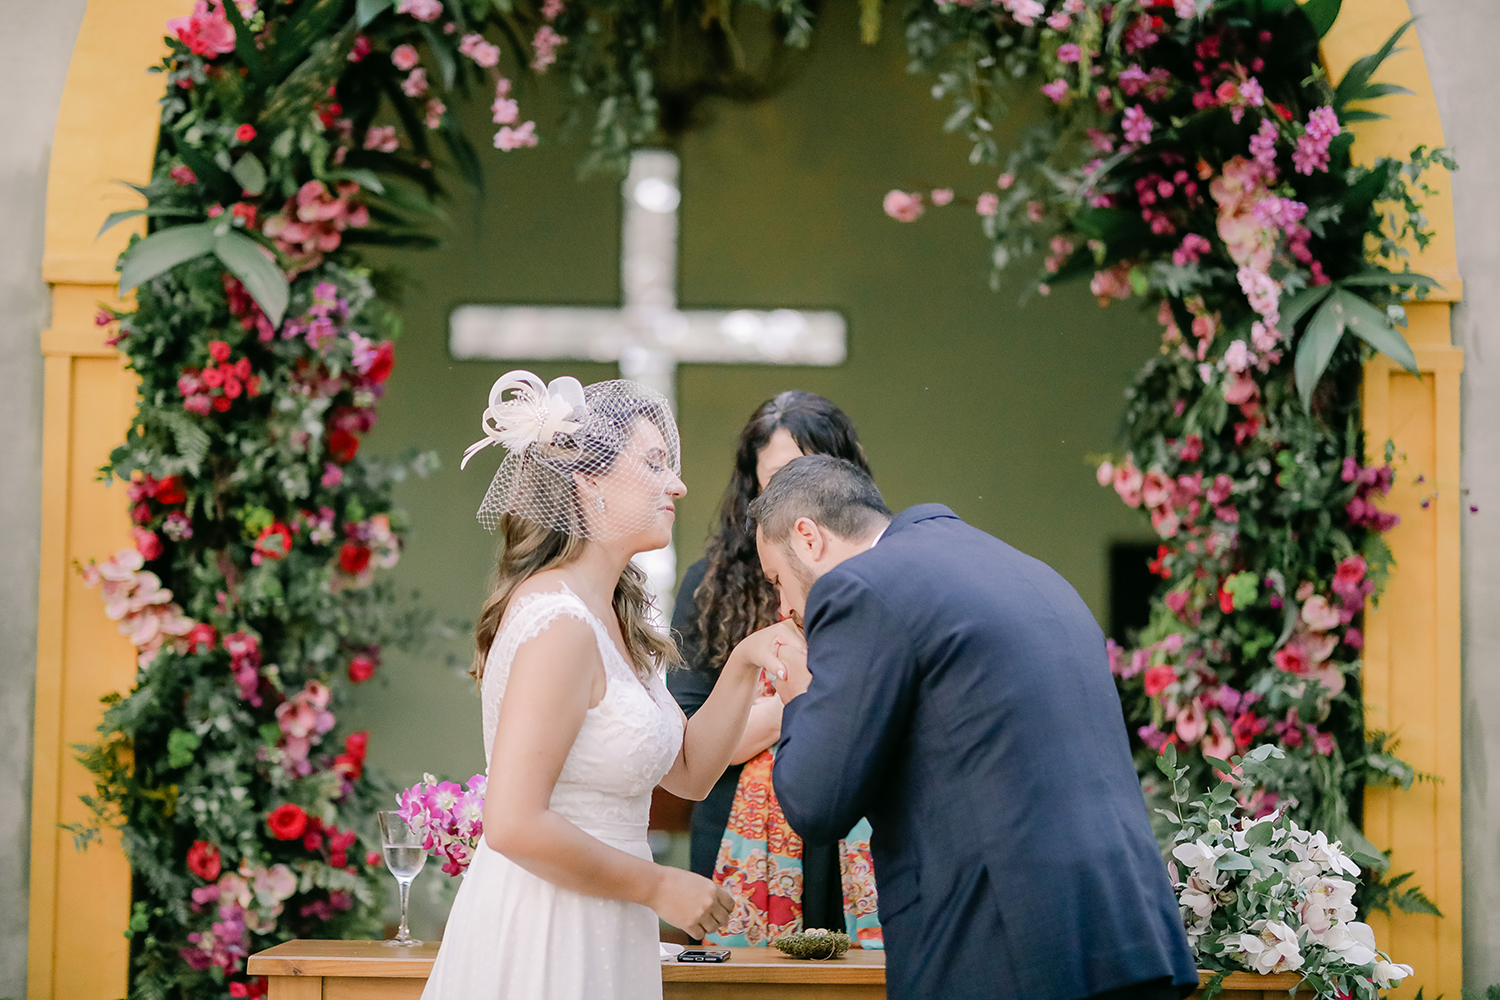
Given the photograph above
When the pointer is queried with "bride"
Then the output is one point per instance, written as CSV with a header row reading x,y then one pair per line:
x,y
561,899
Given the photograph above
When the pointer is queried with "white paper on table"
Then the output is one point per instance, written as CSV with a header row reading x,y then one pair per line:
x,y
670,951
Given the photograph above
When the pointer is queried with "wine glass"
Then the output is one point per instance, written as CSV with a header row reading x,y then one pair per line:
x,y
404,856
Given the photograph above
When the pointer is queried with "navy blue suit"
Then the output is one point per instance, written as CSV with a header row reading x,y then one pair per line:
x,y
961,699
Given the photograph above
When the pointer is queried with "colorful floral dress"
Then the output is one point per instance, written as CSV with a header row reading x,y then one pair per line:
x,y
760,864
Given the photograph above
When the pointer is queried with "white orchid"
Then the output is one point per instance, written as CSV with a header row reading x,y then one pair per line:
x,y
1201,858
1329,855
1351,941
1328,901
1388,974
1271,947
1199,896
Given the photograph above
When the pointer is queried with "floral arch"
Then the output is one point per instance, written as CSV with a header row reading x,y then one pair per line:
x,y
109,128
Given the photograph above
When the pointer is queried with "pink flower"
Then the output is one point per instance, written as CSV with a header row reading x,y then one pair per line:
x,y
435,112
146,543
1354,638
1192,448
1166,522
382,138
1140,36
509,138
988,203
1024,11
1176,601
1057,90
1218,743
1263,144
1319,615
1293,659
1262,337
1059,21
332,475
1193,248
1310,155
1252,93
1158,679
1129,482
1240,389
1137,125
1105,473
415,84
544,48
1069,53
1221,489
422,10
551,9
404,57
482,52
903,206
206,32
182,174
1238,357
942,196
311,224
1323,124
1262,291
1005,181
1191,722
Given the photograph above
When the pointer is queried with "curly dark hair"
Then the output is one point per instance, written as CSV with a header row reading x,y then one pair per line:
x,y
735,597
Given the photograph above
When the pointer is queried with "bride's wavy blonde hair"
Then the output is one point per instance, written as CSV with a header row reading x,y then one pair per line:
x,y
527,548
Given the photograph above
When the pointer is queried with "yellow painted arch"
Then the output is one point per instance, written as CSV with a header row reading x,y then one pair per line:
x,y
106,131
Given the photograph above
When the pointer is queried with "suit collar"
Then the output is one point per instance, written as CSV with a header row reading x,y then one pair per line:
x,y
921,512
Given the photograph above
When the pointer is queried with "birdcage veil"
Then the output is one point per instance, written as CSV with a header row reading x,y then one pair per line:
x,y
561,438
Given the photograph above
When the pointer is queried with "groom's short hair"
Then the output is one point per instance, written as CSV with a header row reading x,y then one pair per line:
x,y
834,492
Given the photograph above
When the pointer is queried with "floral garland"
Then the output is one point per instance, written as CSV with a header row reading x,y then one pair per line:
x,y
1196,158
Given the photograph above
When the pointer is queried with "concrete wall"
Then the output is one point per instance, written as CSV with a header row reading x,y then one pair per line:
x,y
34,51
1458,38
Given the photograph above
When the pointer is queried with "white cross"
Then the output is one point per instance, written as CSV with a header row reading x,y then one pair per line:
x,y
648,335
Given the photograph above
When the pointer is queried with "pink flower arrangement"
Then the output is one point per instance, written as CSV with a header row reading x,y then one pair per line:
x,y
450,818
903,206
520,137
482,52
405,58
422,10
136,599
544,47
303,718
1137,125
988,203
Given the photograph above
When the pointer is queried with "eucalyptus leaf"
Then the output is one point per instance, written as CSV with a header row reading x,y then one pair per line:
x,y
1234,862
250,173
163,251
262,279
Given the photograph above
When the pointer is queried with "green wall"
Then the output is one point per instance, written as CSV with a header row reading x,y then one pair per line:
x,y
961,396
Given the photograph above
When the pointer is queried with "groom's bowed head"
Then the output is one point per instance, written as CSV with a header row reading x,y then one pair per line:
x,y
815,513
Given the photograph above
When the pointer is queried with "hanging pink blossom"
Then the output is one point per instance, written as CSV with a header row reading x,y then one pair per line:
x,y
903,206
482,52
1192,249
404,57
1024,11
988,203
1263,145
521,136
382,139
544,48
415,84
422,10
1057,90
942,196
1069,53
434,112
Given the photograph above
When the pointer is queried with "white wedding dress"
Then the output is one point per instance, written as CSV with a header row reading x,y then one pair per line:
x,y
514,936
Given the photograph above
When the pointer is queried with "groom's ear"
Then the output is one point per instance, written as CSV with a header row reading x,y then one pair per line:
x,y
809,536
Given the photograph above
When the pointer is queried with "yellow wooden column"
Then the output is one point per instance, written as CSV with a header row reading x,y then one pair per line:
x,y
106,131
1412,653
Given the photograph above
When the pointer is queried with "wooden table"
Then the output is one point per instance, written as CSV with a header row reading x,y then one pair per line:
x,y
371,970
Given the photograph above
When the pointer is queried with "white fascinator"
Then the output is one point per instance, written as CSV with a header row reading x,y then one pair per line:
x,y
561,438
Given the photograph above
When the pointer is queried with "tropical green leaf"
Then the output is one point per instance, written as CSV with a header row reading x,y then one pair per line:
x,y
366,11
244,46
250,173
153,211
366,179
1348,116
311,23
1322,14
1293,309
1389,279
1354,86
1374,327
163,251
442,54
265,282
1316,348
202,165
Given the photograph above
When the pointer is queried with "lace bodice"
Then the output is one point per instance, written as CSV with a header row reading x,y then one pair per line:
x,y
628,741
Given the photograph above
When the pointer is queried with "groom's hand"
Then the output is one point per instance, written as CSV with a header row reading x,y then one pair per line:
x,y
790,675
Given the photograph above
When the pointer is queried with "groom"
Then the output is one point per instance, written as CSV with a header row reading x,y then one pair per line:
x,y
957,693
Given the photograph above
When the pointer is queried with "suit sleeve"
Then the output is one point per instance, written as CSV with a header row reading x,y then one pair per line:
x,y
837,738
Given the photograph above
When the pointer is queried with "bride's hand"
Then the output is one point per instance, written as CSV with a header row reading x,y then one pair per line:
x,y
691,903
757,651
790,675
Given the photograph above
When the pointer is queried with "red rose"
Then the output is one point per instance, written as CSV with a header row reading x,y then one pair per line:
x,y
275,542
287,822
350,767
385,360
357,743
342,447
372,858
245,132
218,350
221,404
201,634
1226,601
203,860
352,560
361,668
170,490
1157,679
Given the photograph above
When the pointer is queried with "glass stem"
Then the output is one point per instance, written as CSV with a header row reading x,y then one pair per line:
x,y
403,933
